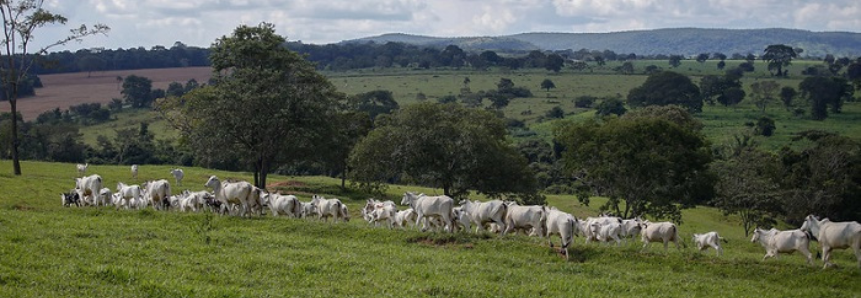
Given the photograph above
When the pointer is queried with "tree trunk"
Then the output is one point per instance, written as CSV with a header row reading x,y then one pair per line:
x,y
344,180
13,103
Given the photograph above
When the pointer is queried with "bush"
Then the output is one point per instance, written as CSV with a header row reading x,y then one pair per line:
x,y
765,126
585,101
555,113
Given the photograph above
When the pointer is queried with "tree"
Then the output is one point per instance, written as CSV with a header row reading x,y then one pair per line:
x,y
718,88
765,126
701,58
649,165
579,65
90,63
555,113
600,60
137,91
763,93
374,103
267,107
611,106
787,94
119,81
554,62
778,56
747,186
547,84
721,64
675,60
446,146
853,72
627,68
821,92
175,89
21,20
667,88
447,99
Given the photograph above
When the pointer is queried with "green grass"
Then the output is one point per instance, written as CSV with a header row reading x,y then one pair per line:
x,y
50,251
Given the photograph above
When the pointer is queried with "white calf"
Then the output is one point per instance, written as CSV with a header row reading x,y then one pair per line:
x,y
130,194
710,239
284,205
134,171
82,168
775,241
405,217
157,193
89,188
177,175
329,208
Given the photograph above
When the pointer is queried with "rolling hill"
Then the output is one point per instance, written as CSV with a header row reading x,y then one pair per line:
x,y
684,41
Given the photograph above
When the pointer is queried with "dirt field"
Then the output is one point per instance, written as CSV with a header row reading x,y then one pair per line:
x,y
64,90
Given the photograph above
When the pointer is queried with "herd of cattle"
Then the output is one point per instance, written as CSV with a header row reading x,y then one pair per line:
x,y
241,198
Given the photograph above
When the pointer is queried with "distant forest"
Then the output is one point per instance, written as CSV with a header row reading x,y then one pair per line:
x,y
345,56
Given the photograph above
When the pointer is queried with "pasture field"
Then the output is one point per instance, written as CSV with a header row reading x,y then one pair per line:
x,y
50,251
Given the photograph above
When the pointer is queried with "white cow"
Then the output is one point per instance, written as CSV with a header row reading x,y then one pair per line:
x,y
232,193
631,228
130,194
82,168
481,213
89,188
329,208
308,209
284,205
431,206
710,239
525,218
461,219
775,241
134,171
157,193
834,235
177,174
611,230
562,224
591,226
659,232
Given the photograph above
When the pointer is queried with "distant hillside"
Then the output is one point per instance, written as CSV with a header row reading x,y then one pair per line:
x,y
685,41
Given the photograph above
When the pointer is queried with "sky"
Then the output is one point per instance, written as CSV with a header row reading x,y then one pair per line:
x,y
147,23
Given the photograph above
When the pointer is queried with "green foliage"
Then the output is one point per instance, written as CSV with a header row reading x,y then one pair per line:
x,y
584,101
725,89
137,91
374,102
748,186
675,60
764,92
645,165
268,106
822,92
787,94
547,84
447,99
555,113
447,146
765,126
778,57
610,106
823,179
667,88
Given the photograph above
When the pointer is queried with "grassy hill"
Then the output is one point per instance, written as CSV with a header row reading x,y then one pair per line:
x,y
684,41
50,251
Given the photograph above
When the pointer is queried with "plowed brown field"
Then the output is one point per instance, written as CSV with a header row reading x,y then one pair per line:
x,y
64,90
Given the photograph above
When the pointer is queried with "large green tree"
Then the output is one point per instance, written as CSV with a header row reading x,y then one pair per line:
x,y
667,88
446,146
747,186
267,107
21,20
374,102
645,164
764,92
779,56
821,92
137,91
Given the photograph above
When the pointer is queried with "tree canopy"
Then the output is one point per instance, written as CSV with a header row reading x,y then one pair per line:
x,y
267,106
648,164
779,56
446,146
667,88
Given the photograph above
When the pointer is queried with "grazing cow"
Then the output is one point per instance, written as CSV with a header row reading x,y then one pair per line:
x,y
157,193
775,241
134,171
71,197
89,188
525,218
710,239
329,208
82,168
238,193
308,209
659,232
130,194
431,206
834,235
461,219
562,224
631,228
284,205
481,213
591,226
177,175
405,217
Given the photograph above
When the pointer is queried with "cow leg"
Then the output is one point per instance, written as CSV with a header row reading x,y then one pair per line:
x,y
826,256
